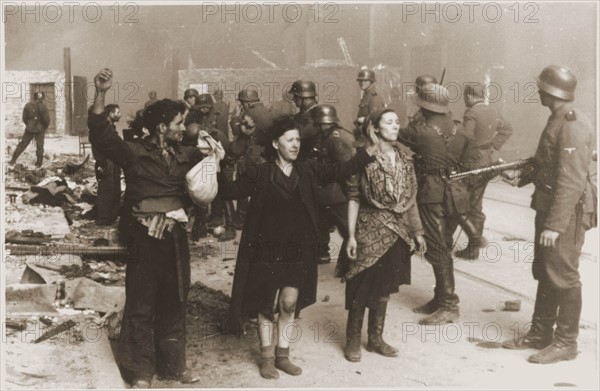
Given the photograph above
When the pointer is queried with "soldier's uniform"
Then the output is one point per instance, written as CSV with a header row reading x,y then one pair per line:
x,y
441,146
334,145
564,200
563,197
371,101
309,134
489,132
248,149
222,117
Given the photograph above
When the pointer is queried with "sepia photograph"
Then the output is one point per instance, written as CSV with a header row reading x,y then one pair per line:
x,y
299,195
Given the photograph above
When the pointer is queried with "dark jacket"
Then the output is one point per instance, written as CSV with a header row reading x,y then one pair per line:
x,y
564,180
371,101
222,119
488,130
147,173
36,117
252,184
336,146
244,144
441,146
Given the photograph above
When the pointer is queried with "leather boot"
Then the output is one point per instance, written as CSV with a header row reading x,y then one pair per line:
x,y
432,305
229,233
375,332
564,345
282,362
474,245
448,300
541,332
353,332
267,362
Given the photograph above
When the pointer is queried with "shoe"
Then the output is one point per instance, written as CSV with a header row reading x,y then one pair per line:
x,y
228,235
267,362
140,384
538,337
441,316
428,308
554,353
283,363
184,377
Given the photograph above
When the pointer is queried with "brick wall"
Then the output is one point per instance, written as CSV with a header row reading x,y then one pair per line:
x,y
335,85
16,92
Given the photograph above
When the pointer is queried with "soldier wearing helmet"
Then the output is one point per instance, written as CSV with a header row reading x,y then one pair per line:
x,y
565,203
370,100
490,132
203,112
415,111
249,125
304,95
442,146
335,146
189,97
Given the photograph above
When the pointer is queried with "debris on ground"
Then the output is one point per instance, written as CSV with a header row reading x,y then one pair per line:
x,y
207,305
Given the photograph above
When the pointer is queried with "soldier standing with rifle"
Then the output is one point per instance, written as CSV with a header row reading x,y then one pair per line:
x,y
490,132
441,145
564,201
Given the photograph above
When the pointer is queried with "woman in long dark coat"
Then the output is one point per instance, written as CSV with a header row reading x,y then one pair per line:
x,y
276,269
383,226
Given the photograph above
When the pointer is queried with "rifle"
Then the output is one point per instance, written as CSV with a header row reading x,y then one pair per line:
x,y
443,74
527,164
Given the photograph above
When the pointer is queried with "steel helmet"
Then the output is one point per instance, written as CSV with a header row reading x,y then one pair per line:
x,y
303,89
433,97
205,100
366,74
558,81
325,114
248,95
190,92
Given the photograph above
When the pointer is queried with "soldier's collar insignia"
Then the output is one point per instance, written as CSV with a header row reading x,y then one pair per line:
x,y
570,116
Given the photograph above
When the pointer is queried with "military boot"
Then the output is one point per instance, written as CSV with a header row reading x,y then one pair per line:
x,y
447,311
474,245
541,332
564,345
375,332
353,333
432,305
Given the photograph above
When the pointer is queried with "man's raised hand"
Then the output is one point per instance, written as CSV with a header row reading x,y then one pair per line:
x,y
103,80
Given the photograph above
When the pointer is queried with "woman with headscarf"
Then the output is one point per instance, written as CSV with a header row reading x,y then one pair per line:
x,y
384,231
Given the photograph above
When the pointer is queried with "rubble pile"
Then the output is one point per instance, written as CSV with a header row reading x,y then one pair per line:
x,y
207,305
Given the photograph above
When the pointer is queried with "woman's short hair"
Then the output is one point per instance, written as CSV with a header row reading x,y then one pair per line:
x,y
161,112
280,126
